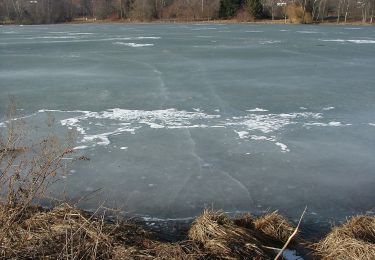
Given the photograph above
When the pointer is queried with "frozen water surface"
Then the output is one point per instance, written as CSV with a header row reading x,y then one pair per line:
x,y
179,117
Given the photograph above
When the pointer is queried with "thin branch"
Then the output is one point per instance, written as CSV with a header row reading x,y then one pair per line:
x,y
291,236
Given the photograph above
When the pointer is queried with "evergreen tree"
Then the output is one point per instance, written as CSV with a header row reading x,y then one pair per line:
x,y
228,8
255,8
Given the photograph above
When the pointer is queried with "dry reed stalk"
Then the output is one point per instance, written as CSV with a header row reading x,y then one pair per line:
x,y
291,236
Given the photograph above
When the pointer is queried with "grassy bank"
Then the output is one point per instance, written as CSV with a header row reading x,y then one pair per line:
x,y
65,232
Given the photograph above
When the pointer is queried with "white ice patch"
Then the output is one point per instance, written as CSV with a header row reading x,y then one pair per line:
x,y
133,44
350,41
53,37
121,121
270,122
333,123
98,128
79,33
328,108
371,124
148,37
291,255
268,42
82,147
242,134
283,147
257,110
307,32
267,124
262,138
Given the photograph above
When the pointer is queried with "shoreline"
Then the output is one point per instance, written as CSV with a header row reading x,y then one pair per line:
x,y
41,232
227,22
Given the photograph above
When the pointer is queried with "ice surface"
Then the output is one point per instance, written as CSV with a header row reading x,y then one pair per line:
x,y
247,117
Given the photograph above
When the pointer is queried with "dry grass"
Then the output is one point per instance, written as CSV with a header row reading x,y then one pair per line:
x,y
294,13
186,250
275,226
65,233
353,240
245,221
223,239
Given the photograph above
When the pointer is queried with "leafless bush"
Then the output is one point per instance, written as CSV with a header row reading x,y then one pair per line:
x,y
27,165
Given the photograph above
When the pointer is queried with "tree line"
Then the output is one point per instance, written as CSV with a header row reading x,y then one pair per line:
x,y
304,11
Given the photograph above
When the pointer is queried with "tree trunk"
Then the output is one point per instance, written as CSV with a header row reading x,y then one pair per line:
x,y
121,9
347,10
304,11
17,10
7,9
285,14
364,14
324,9
314,11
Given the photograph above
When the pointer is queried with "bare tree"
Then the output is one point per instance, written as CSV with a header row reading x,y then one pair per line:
x,y
143,10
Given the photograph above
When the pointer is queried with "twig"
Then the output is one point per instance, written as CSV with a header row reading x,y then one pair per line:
x,y
272,248
291,236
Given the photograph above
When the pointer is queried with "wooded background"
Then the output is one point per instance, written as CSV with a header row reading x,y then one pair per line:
x,y
300,11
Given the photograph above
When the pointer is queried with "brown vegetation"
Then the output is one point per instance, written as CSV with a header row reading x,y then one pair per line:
x,y
67,232
292,11
221,237
275,226
295,14
353,240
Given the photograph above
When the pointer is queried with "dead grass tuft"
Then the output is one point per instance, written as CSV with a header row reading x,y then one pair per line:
x,y
218,234
66,233
186,250
245,221
274,226
353,240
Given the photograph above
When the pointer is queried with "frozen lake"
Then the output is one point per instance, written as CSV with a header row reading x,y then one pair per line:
x,y
179,117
